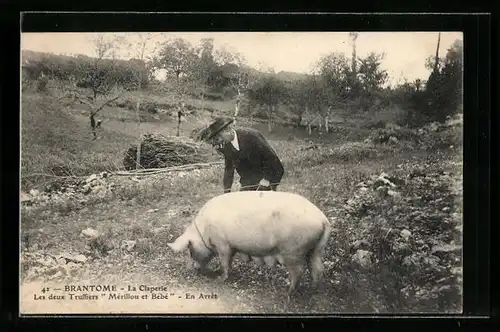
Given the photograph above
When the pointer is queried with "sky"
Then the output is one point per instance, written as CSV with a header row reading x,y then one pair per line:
x,y
289,51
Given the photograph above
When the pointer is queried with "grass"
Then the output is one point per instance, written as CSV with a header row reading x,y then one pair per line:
x,y
57,143
156,209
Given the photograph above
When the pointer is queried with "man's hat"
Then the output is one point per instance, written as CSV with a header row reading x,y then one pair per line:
x,y
218,125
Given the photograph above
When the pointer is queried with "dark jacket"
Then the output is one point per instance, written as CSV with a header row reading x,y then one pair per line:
x,y
254,161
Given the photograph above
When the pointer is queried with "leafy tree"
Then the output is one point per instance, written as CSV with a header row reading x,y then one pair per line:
x,y
334,69
230,69
333,85
445,83
371,76
204,65
371,79
176,57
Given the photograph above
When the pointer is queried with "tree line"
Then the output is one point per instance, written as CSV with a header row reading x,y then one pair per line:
x,y
358,85
337,82
353,83
84,71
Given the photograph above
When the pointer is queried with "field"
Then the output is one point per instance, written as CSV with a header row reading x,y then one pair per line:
x,y
395,204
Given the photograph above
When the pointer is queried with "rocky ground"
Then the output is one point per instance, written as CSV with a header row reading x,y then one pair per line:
x,y
397,244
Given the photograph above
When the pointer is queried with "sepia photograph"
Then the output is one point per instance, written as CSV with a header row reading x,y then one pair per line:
x,y
241,172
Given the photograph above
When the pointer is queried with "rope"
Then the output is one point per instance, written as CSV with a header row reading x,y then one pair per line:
x,y
138,172
199,233
259,186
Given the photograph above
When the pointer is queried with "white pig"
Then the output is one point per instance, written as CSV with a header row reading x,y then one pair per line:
x,y
270,225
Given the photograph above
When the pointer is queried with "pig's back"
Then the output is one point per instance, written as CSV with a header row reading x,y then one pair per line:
x,y
269,215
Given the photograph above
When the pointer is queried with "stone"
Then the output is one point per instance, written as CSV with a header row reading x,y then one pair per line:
x,y
24,197
446,248
360,244
363,257
80,258
34,192
405,234
158,230
393,193
128,245
90,233
91,178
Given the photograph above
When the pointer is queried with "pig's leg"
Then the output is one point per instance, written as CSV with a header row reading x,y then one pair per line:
x,y
316,267
244,257
258,260
295,269
226,257
270,261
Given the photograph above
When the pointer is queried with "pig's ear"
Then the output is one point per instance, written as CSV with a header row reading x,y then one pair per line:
x,y
180,244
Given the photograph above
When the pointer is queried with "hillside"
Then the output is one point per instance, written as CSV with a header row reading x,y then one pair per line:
x,y
394,196
289,76
28,58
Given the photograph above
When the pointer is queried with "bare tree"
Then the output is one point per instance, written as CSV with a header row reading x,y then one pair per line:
x,y
295,99
434,62
106,50
268,92
140,47
436,59
98,74
204,66
353,36
239,80
331,83
242,84
316,99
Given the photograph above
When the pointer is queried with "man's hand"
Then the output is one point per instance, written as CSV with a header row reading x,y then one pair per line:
x,y
264,183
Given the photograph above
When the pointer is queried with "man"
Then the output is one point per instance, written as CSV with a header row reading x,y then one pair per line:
x,y
247,151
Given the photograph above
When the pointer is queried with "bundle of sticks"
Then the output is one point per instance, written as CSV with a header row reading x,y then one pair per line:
x,y
159,151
